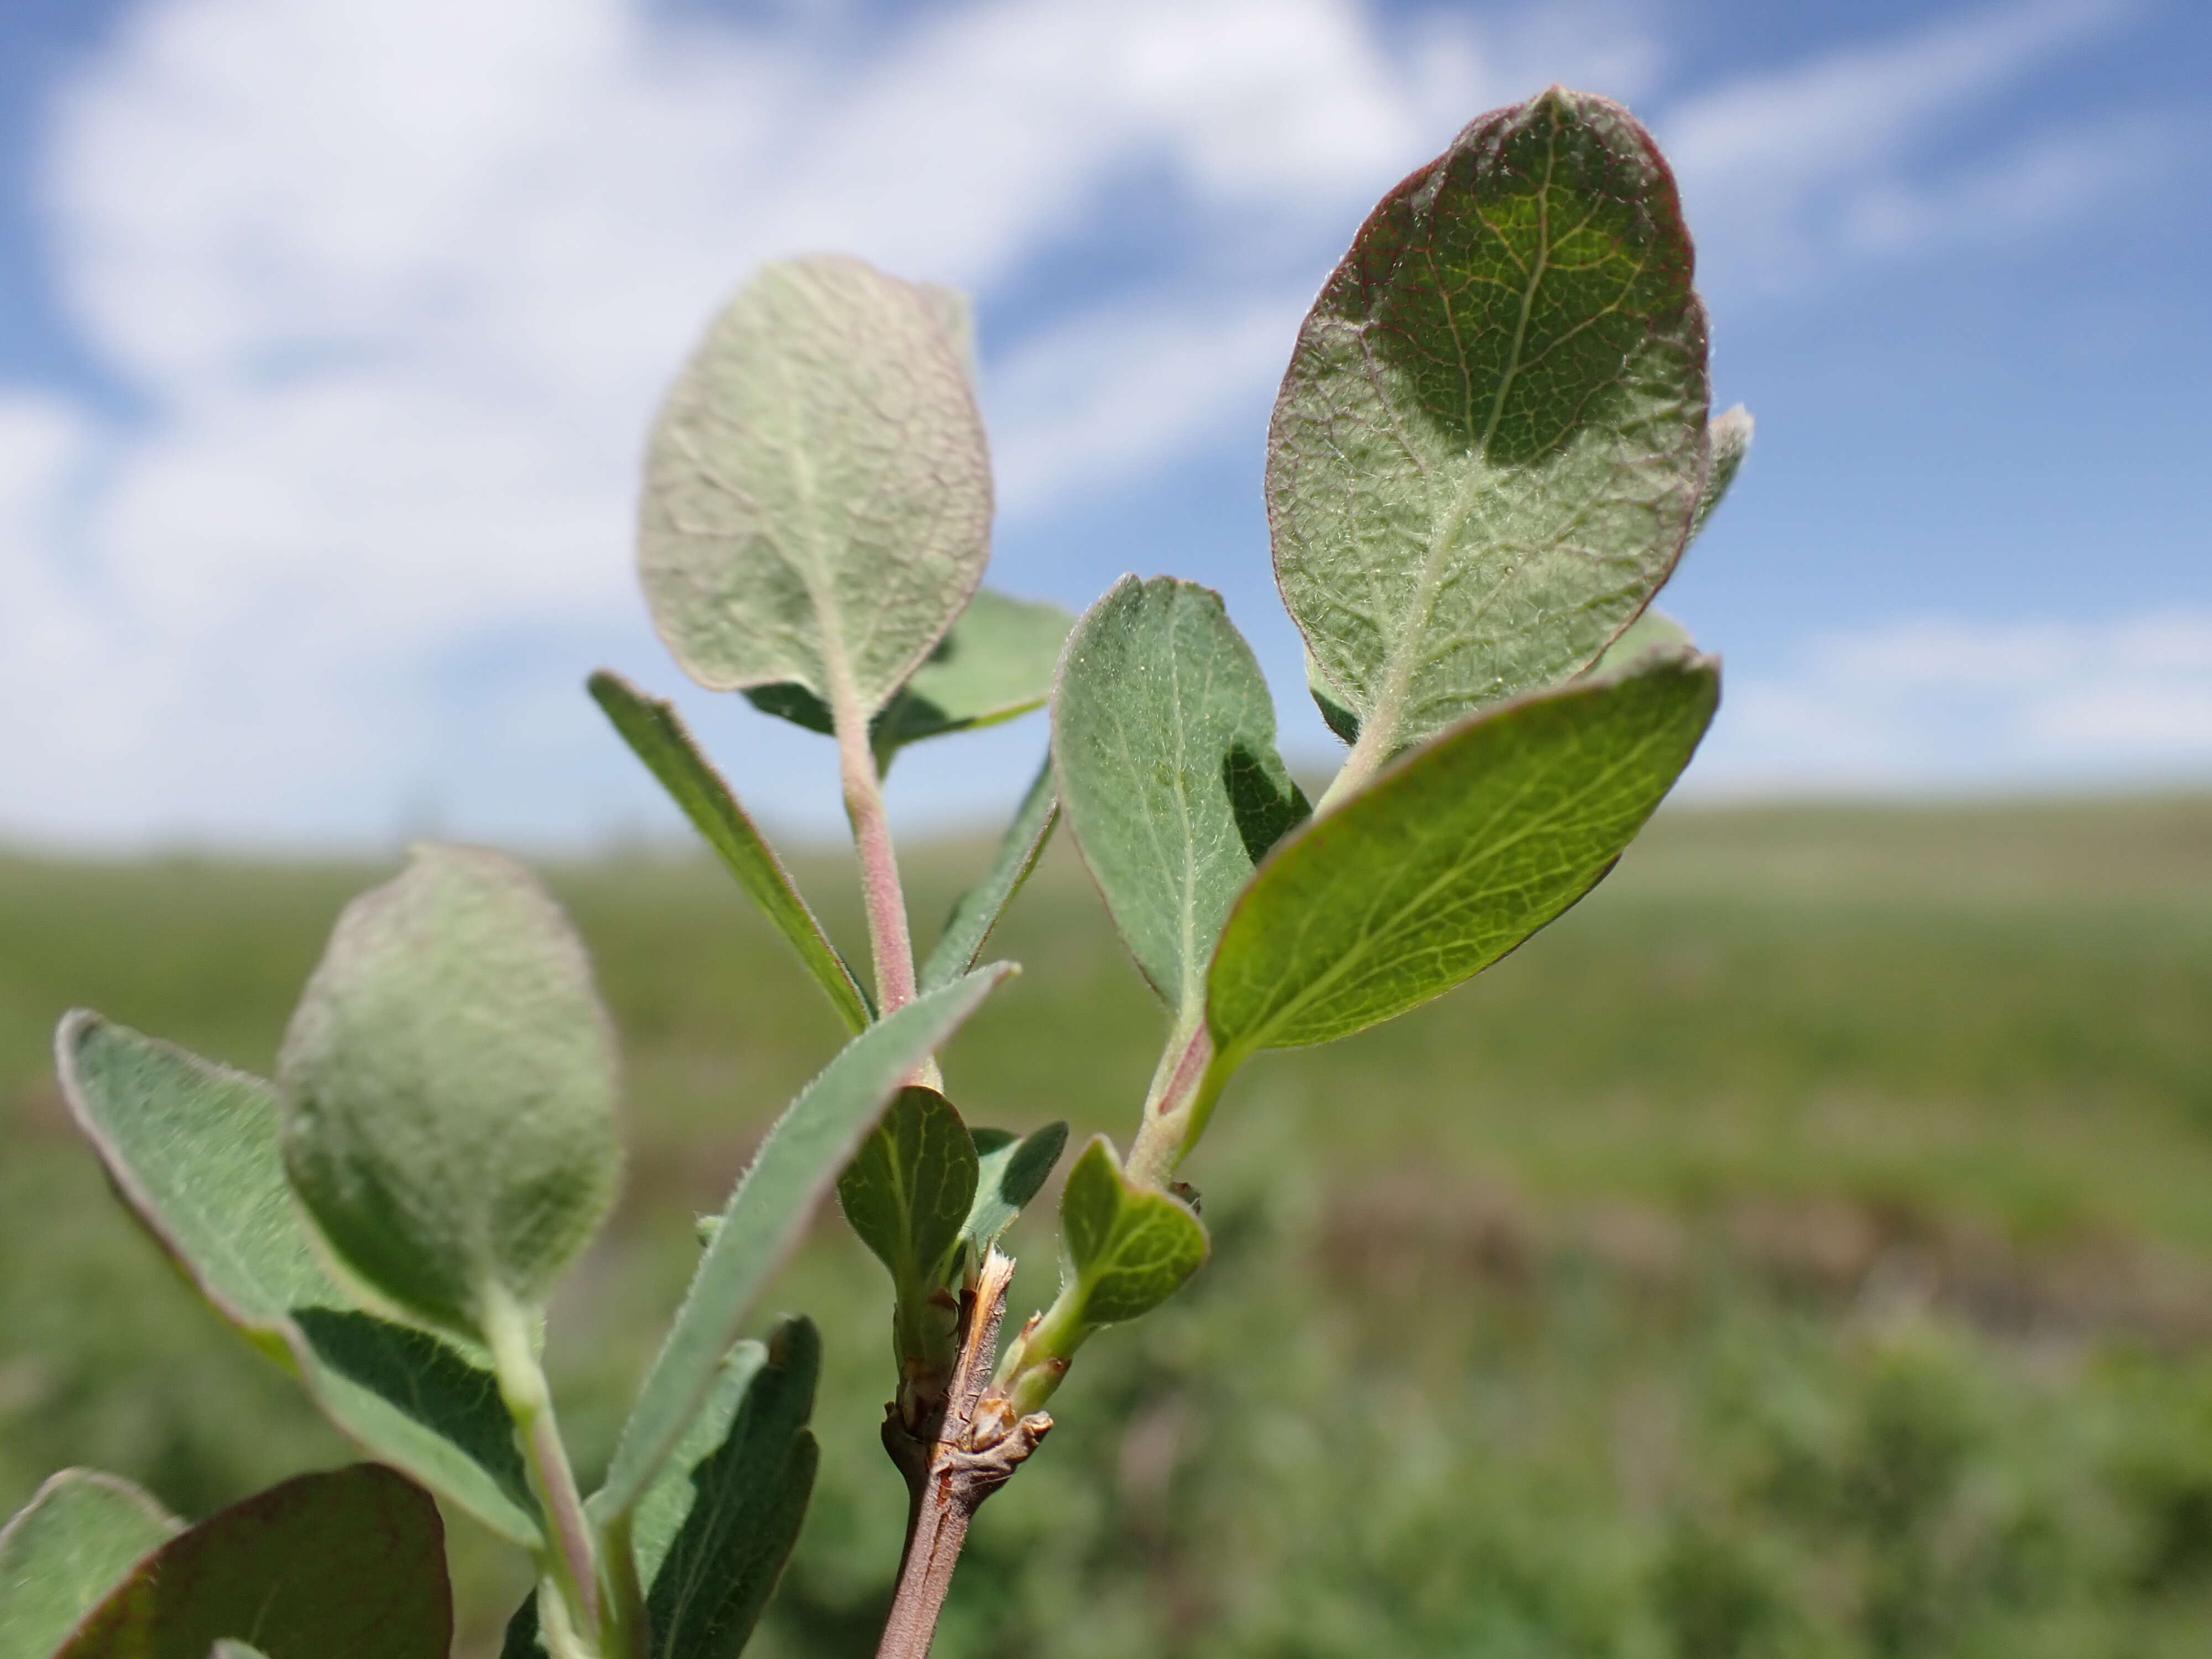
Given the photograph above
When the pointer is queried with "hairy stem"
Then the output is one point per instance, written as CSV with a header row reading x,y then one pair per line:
x,y
627,1632
974,1454
568,1558
1182,1095
888,940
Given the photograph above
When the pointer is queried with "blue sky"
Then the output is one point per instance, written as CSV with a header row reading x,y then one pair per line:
x,y
329,330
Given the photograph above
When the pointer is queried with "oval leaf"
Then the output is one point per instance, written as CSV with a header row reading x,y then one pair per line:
x,y
817,500
192,1148
1452,857
908,1190
345,1565
1163,737
1489,441
75,1541
996,663
814,1139
449,1084
1129,1248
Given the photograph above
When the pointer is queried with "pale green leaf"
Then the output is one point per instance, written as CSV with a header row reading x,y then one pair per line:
x,y
1728,440
75,1541
981,906
909,1189
795,1166
818,502
346,1565
1013,1170
1453,856
654,731
1490,438
1653,631
192,1148
956,314
448,1085
1163,737
995,663
1129,1248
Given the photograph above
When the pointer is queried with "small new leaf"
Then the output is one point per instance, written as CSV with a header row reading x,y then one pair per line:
x,y
796,1164
73,1542
981,906
346,1565
1129,1248
1490,438
449,1084
654,731
1452,857
909,1189
817,502
192,1150
1164,736
1728,440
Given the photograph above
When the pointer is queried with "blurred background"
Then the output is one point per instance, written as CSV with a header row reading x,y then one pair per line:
x,y
1805,1248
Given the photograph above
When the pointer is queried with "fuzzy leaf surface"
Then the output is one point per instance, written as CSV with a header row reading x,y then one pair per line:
x,y
1655,630
817,502
794,1168
1728,441
1453,856
909,1189
192,1150
75,1541
1490,441
350,1565
1163,737
1011,1169
980,908
448,1085
657,734
1130,1248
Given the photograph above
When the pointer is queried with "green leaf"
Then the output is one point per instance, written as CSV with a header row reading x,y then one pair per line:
x,y
654,731
1490,438
448,1083
981,906
712,1535
78,1537
1164,735
1338,718
1653,631
996,662
909,1189
817,502
1453,856
1129,1248
796,1164
192,1148
1728,439
346,1565
1012,1169
746,1501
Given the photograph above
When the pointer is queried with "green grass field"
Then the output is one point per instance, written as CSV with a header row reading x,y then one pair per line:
x,y
1804,1248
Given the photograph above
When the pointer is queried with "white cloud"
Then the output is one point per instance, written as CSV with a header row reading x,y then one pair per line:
x,y
1957,704
394,284
1784,171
